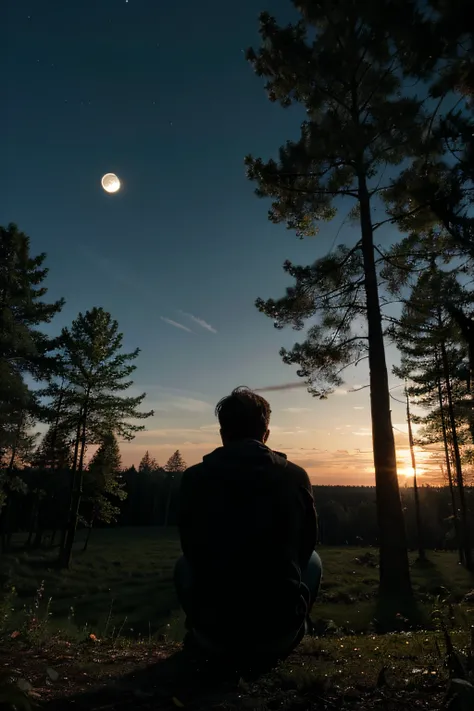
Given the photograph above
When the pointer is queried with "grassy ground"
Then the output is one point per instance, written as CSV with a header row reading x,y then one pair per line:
x,y
401,671
124,583
118,621
123,580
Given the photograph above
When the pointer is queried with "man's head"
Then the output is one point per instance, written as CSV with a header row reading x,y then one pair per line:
x,y
243,415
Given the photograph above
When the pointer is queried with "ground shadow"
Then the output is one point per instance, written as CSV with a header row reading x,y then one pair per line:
x,y
182,678
395,614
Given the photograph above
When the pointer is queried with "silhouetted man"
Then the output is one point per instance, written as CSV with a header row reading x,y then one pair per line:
x,y
249,573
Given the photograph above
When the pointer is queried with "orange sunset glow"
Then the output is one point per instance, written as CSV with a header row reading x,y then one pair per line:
x,y
331,439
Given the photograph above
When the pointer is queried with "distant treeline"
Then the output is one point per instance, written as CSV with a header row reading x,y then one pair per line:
x,y
347,514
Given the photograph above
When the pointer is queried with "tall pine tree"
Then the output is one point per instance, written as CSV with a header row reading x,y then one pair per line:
x,y
340,64
96,374
434,358
24,349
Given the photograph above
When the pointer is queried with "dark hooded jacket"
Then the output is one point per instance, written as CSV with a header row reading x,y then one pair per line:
x,y
248,527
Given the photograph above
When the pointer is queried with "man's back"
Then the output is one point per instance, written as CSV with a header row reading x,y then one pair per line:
x,y
247,527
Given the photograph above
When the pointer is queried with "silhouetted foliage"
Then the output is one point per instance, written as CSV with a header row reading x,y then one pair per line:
x,y
95,372
24,350
340,62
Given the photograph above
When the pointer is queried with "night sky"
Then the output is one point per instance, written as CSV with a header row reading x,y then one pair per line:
x,y
160,94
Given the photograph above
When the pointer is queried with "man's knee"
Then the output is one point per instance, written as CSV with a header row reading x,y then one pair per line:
x,y
311,576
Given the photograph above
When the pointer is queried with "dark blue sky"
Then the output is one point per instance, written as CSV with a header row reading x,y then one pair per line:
x,y
161,94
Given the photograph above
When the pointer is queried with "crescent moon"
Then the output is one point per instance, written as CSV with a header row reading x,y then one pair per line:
x,y
110,183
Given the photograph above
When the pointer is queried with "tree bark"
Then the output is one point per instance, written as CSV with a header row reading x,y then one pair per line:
x,y
4,522
72,488
394,564
449,471
466,542
419,525
55,463
66,552
89,531
5,515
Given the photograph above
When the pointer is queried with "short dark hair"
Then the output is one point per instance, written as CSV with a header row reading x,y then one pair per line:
x,y
243,414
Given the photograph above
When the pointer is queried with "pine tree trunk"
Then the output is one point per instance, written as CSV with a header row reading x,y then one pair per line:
x,y
89,531
449,472
62,543
66,552
5,516
394,564
33,521
63,561
70,534
56,426
466,543
83,442
419,526
77,442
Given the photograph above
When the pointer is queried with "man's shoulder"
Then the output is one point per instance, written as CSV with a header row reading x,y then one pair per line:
x,y
295,471
194,469
298,471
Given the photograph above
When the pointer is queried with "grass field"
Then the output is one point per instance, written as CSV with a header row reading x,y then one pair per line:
x,y
123,584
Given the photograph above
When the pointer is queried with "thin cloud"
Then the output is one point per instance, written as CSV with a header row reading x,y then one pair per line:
x,y
285,386
173,433
296,410
167,391
200,322
210,428
175,324
189,404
